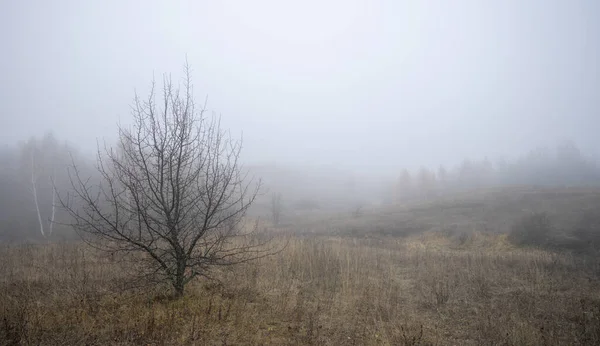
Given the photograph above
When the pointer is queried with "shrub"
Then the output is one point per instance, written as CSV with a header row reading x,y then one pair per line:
x,y
532,230
587,230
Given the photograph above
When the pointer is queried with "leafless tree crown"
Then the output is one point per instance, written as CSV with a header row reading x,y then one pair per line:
x,y
172,189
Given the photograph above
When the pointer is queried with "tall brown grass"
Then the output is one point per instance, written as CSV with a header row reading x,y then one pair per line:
x,y
429,289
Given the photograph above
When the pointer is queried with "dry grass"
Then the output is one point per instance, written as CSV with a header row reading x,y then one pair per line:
x,y
485,210
429,289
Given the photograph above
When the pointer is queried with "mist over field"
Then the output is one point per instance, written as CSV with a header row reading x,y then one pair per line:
x,y
334,100
422,162
368,86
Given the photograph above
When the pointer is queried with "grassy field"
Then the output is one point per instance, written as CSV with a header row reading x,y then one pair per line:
x,y
436,273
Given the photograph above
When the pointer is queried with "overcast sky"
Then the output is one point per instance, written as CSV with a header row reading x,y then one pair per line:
x,y
362,84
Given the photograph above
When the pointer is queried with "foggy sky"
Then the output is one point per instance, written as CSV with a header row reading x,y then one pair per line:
x,y
368,85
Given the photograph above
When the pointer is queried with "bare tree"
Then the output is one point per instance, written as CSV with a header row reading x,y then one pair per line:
x,y
173,190
43,158
357,210
34,192
276,207
403,186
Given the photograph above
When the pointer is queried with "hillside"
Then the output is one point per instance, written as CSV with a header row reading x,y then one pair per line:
x,y
489,211
439,272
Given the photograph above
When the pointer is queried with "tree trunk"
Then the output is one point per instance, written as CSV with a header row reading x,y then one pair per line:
x,y
179,287
35,197
53,203
179,280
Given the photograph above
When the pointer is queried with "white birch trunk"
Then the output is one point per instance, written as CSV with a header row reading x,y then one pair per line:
x,y
53,203
34,190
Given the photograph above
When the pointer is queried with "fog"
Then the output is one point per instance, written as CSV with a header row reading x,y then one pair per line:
x,y
408,172
368,86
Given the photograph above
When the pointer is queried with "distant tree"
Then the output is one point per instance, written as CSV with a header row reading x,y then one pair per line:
x,y
442,177
485,172
567,151
276,208
571,167
357,210
562,166
42,162
15,198
173,190
466,174
403,186
426,181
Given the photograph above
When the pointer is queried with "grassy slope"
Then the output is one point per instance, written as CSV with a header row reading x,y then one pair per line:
x,y
493,210
426,288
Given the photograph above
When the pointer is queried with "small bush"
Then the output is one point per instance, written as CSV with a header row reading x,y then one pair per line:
x,y
464,238
587,230
532,230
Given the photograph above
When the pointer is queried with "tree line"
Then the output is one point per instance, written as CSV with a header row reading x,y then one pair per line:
x,y
562,166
